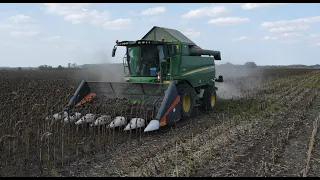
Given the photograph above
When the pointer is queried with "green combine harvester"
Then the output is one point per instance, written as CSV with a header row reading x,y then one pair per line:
x,y
163,65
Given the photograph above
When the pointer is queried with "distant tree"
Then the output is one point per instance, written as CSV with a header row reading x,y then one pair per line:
x,y
60,67
69,65
44,67
19,69
74,65
250,65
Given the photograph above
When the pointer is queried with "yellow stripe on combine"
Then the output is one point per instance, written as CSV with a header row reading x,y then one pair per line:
x,y
198,70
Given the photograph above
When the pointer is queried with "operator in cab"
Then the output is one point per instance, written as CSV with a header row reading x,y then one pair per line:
x,y
149,58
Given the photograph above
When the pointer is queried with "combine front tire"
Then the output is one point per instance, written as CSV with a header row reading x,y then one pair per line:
x,y
209,98
188,100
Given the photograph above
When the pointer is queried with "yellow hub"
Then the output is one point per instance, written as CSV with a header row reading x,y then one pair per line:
x,y
213,100
186,103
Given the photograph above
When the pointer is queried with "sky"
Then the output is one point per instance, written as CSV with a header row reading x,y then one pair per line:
x,y
34,34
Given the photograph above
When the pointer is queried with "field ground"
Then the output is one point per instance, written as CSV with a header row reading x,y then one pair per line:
x,y
261,126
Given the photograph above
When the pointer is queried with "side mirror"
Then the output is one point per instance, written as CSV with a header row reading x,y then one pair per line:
x,y
114,51
220,79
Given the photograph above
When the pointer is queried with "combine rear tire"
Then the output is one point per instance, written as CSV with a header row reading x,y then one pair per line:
x,y
209,98
188,100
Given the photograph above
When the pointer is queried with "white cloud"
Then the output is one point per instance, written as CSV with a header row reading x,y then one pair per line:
x,y
51,38
77,12
23,33
301,24
20,18
291,34
75,18
288,38
64,9
291,38
153,11
191,33
117,24
315,19
228,20
20,25
250,6
211,11
270,38
290,28
291,41
241,38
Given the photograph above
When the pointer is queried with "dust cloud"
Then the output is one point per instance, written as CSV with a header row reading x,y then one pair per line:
x,y
237,79
101,68
228,91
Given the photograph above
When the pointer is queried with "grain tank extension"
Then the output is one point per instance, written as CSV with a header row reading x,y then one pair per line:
x,y
164,70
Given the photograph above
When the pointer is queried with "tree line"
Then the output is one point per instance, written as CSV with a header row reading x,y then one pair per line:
x,y
47,67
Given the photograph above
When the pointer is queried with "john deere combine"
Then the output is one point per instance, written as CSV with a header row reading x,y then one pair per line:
x,y
164,66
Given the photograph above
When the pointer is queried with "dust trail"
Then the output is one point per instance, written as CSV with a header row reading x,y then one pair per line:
x,y
106,70
236,80
228,91
101,68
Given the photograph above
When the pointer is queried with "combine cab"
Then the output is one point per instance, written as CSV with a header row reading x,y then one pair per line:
x,y
166,72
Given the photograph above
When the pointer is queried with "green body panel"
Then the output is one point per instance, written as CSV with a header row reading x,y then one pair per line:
x,y
184,49
143,79
197,70
203,77
189,63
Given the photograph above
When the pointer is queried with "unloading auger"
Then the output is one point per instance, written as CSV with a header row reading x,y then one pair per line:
x,y
166,73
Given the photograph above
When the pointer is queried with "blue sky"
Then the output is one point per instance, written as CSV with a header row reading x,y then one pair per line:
x,y
56,34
